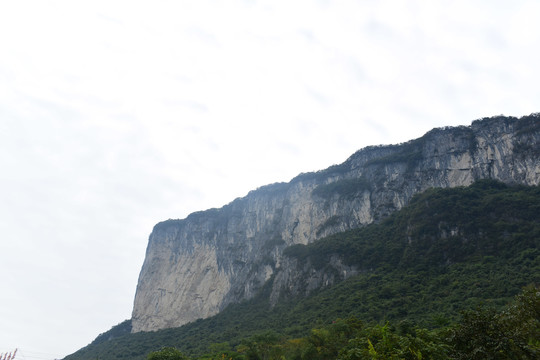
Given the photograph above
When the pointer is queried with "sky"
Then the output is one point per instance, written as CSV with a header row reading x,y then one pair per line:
x,y
115,115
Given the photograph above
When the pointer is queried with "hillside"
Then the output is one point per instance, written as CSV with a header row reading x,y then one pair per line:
x,y
447,250
195,267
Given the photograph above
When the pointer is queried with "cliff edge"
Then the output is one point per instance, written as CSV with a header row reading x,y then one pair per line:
x,y
197,266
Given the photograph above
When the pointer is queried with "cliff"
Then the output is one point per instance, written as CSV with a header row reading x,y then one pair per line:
x,y
197,266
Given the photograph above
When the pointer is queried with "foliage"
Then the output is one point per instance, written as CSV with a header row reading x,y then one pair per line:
x,y
449,250
440,226
385,342
117,331
528,124
484,333
343,188
337,169
168,353
513,333
526,128
409,153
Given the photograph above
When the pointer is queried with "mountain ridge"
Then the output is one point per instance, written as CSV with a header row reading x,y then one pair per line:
x,y
453,249
197,266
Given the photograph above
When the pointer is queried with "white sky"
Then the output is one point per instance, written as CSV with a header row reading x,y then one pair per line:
x,y
115,115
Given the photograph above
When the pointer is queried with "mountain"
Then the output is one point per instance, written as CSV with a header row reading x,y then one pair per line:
x,y
446,251
194,268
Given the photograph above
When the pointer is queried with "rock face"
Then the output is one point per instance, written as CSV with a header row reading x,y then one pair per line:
x,y
197,266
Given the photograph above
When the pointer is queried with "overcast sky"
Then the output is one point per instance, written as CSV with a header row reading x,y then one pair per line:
x,y
115,115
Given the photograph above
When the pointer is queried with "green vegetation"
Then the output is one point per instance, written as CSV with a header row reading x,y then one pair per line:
x,y
121,329
338,169
409,153
434,282
440,227
513,333
526,127
483,333
168,353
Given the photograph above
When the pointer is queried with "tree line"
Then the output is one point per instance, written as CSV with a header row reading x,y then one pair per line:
x,y
482,333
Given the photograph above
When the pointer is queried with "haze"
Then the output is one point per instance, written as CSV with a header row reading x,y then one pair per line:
x,y
115,115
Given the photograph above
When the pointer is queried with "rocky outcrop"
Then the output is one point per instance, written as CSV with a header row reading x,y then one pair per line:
x,y
196,266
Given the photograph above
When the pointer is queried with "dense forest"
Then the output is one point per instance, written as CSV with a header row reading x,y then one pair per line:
x,y
454,275
483,333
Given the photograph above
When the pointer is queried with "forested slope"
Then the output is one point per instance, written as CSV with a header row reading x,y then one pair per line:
x,y
448,250
195,267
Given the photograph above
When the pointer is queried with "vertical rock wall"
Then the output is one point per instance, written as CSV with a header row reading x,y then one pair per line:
x,y
197,266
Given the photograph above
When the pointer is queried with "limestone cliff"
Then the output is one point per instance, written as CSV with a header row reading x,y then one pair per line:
x,y
196,266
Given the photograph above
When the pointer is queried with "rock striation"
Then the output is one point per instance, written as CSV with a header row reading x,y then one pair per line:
x,y
197,266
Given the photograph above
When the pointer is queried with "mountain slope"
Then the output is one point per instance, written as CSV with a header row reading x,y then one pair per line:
x,y
194,268
448,250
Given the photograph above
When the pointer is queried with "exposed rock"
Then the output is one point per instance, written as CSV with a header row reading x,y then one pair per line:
x,y
197,266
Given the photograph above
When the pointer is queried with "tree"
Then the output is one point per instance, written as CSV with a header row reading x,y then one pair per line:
x,y
384,342
168,353
513,333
